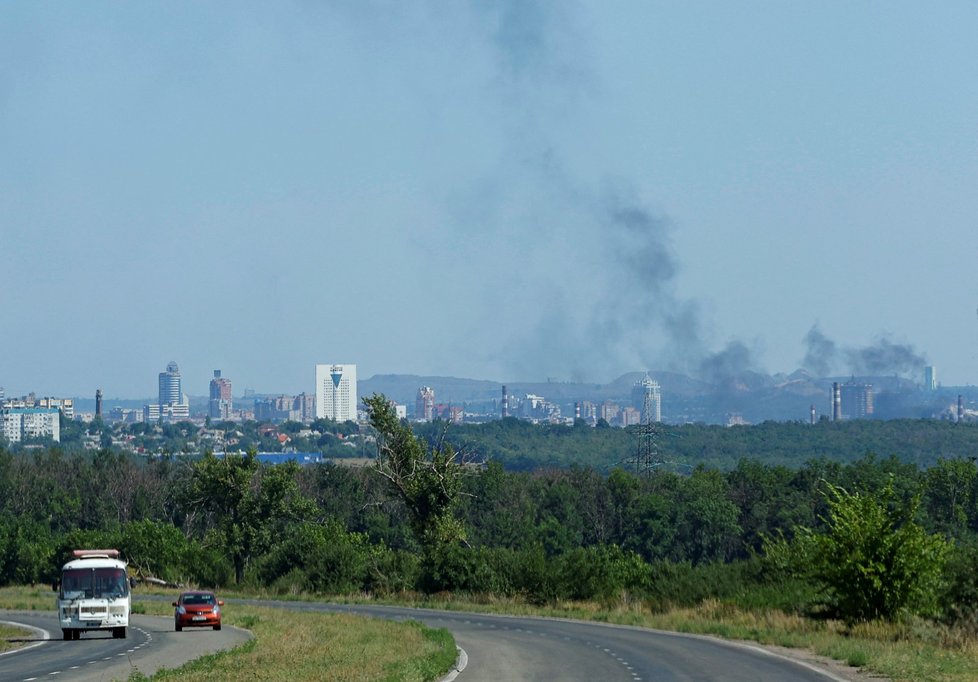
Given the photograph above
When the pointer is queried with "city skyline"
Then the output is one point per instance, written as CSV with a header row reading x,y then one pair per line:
x,y
507,191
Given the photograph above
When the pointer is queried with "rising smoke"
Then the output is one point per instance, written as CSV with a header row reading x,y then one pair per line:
x,y
884,357
821,354
625,313
612,304
732,361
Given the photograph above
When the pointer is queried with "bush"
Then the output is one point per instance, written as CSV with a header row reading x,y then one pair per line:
x,y
874,560
603,573
317,557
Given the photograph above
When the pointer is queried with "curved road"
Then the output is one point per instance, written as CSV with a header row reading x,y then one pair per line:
x,y
498,648
98,657
528,648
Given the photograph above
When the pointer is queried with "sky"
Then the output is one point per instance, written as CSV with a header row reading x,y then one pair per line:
x,y
508,190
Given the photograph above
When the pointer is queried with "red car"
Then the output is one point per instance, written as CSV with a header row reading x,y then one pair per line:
x,y
197,609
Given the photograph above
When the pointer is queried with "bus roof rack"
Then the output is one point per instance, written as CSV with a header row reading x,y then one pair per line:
x,y
95,553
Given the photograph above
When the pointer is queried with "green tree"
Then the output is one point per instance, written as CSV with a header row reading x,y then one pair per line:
x,y
245,503
949,494
874,560
428,481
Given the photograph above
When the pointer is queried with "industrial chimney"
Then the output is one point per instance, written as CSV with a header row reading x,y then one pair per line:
x,y
960,407
98,403
505,410
836,402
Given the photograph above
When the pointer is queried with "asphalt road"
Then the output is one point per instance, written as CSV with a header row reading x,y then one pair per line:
x,y
97,657
498,648
525,649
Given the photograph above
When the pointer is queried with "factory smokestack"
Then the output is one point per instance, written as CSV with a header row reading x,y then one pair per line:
x,y
813,415
505,407
960,407
98,403
836,402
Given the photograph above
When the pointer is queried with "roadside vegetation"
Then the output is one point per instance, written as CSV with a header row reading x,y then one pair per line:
x,y
292,646
8,633
876,549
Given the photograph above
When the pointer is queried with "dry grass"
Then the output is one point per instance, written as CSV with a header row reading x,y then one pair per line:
x,y
298,646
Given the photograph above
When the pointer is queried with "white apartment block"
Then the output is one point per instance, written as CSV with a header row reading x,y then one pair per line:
x,y
336,392
30,422
169,413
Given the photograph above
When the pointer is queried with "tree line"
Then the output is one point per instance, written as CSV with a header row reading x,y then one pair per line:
x,y
422,518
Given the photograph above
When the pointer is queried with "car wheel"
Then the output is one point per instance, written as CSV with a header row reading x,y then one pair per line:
x,y
119,633
217,627
67,634
76,634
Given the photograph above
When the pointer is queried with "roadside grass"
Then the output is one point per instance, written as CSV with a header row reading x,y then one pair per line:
x,y
299,646
296,646
7,633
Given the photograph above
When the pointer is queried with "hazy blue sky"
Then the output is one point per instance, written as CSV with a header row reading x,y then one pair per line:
x,y
508,190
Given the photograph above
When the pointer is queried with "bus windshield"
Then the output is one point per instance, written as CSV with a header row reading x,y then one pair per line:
x,y
89,583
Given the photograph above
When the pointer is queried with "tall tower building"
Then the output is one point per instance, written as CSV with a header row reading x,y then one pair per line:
x,y
170,392
336,392
221,402
98,403
424,404
930,378
647,398
171,405
856,400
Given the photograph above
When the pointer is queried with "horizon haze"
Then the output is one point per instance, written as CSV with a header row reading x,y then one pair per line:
x,y
505,191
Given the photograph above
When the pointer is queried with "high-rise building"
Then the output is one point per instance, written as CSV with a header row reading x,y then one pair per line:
x,y
856,400
170,392
221,403
304,405
647,399
930,378
276,409
336,392
171,405
424,404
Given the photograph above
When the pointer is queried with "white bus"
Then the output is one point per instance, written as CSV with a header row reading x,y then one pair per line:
x,y
93,593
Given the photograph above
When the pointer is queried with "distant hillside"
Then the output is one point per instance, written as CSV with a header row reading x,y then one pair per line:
x,y
750,396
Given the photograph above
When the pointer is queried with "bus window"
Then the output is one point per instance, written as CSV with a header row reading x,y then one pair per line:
x,y
76,583
110,583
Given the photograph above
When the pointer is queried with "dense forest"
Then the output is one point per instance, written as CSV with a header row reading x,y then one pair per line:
x,y
520,445
523,446
429,522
